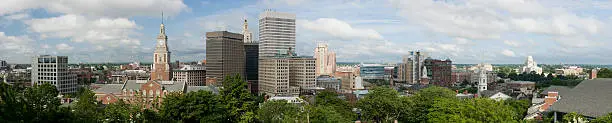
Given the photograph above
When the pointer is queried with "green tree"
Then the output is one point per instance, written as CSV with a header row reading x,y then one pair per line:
x,y
42,103
118,112
573,117
423,100
278,111
197,106
86,107
471,110
604,73
519,106
11,106
238,99
330,100
604,119
382,104
327,114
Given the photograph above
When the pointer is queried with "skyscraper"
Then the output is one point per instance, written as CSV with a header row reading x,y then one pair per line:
x,y
325,60
161,58
285,74
276,32
251,49
411,68
439,71
54,70
224,55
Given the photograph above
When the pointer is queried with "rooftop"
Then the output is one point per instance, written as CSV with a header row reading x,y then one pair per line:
x,y
591,98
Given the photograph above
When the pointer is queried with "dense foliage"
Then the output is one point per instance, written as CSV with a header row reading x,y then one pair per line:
x,y
235,104
604,73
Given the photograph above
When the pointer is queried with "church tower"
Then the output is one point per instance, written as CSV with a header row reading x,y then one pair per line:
x,y
246,33
482,78
161,69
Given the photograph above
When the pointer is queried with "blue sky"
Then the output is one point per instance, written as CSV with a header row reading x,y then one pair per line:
x,y
466,31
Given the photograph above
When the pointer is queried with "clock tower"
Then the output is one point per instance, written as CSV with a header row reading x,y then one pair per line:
x,y
161,69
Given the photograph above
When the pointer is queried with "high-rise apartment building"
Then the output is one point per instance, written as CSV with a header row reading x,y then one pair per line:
x,y
411,68
161,69
439,72
286,74
54,70
276,32
325,60
192,75
224,55
251,49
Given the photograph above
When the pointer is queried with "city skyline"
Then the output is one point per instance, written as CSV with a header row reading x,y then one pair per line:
x,y
470,31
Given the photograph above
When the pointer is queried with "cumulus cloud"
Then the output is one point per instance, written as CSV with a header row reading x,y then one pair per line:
x,y
15,47
64,47
512,43
340,29
508,53
109,8
100,31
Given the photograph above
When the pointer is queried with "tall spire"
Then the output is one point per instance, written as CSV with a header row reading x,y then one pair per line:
x,y
162,28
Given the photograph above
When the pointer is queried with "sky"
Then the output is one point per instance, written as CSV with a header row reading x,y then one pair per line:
x,y
465,31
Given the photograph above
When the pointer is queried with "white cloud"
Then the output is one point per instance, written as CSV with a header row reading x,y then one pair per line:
x,y
340,29
15,47
108,31
512,43
508,53
64,47
108,8
18,16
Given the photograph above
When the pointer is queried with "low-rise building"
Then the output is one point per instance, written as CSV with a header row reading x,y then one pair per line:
x,y
144,91
193,75
328,82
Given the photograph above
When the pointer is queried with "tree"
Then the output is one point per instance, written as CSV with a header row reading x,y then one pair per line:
x,y
329,100
573,117
604,73
604,119
446,110
382,104
424,99
238,99
11,105
278,111
42,103
193,107
86,108
519,106
118,112
327,114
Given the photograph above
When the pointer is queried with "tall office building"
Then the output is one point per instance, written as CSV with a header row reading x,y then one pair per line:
x,y
411,68
276,32
54,70
161,69
251,50
224,55
285,74
439,71
325,60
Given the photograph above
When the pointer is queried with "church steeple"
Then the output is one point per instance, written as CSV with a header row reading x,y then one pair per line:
x,y
246,33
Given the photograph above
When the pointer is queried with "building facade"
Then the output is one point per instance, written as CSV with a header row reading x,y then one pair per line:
x,y
54,70
224,55
531,65
161,69
286,74
439,72
411,68
328,82
192,75
325,60
251,49
276,32
372,71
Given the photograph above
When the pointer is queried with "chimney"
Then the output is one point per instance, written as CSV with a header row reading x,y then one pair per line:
x,y
456,91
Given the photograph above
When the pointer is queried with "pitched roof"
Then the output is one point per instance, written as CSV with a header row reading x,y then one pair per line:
x,y
109,88
212,89
560,89
171,86
590,98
